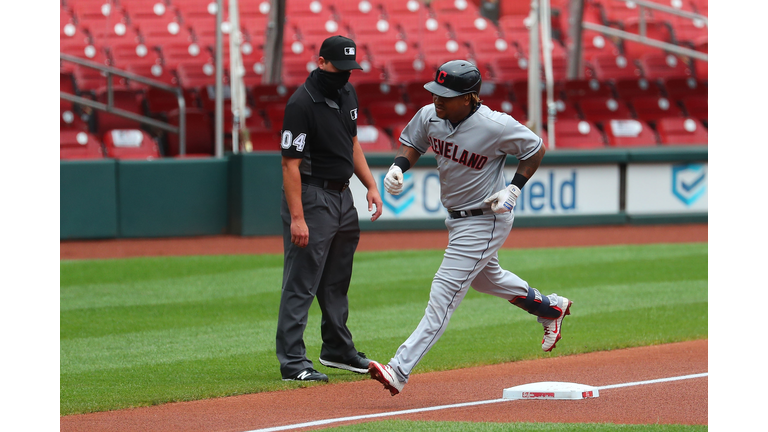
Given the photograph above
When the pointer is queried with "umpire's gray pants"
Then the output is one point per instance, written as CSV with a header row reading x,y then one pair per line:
x,y
322,269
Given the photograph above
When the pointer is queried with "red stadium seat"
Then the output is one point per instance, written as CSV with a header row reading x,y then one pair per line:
x,y
663,66
308,8
650,108
404,7
616,12
275,115
577,134
635,87
417,95
266,95
654,29
445,7
600,109
408,69
265,140
88,79
355,8
373,139
199,133
373,92
697,106
610,67
386,114
130,144
701,67
687,29
578,89
369,74
629,133
77,144
678,88
415,27
69,118
682,131
315,29
176,53
509,68
123,98
196,74
594,43
126,54
485,49
565,110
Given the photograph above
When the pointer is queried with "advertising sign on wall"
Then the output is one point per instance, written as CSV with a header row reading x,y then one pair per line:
x,y
667,188
575,190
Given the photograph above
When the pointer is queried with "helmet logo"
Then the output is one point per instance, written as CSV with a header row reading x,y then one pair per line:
x,y
441,76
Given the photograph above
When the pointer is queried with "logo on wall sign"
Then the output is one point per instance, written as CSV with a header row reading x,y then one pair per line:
x,y
399,203
689,182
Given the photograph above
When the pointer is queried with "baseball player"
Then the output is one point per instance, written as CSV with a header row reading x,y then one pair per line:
x,y
471,143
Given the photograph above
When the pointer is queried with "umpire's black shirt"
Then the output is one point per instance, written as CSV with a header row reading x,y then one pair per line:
x,y
319,130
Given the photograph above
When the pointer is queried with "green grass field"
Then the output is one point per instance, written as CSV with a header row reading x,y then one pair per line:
x,y
145,331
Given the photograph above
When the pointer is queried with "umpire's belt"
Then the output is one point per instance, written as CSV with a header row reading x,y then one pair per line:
x,y
325,184
458,214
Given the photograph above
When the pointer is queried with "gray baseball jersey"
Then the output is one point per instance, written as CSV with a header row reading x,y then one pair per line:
x,y
470,157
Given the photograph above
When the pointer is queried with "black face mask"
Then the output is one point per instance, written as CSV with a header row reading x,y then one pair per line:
x,y
331,82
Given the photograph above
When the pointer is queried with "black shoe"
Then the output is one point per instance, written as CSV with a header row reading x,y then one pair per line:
x,y
358,363
308,374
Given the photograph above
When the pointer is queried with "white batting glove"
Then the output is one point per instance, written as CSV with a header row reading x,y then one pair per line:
x,y
393,182
504,200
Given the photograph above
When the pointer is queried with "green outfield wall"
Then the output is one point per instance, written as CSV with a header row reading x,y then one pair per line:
x,y
240,193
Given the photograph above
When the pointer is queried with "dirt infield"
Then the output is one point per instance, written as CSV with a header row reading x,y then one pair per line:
x,y
674,402
392,240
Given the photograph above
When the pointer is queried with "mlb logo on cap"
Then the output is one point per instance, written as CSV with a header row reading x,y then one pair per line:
x,y
340,51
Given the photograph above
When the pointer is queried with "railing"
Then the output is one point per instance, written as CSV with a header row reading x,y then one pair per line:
x,y
110,106
642,38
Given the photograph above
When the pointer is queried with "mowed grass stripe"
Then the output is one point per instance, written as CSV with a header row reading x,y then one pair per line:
x,y
209,330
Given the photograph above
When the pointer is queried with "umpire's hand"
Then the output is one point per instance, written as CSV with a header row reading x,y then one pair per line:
x,y
299,233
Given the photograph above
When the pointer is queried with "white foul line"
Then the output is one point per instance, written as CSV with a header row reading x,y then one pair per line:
x,y
655,381
459,405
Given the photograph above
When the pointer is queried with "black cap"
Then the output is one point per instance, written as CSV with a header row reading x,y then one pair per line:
x,y
340,51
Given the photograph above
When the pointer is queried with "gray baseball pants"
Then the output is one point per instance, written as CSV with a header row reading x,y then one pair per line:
x,y
471,258
323,269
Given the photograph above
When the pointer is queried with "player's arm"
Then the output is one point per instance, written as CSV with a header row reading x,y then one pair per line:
x,y
292,187
363,172
504,200
526,168
405,158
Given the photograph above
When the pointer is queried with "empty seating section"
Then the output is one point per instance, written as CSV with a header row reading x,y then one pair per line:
x,y
628,94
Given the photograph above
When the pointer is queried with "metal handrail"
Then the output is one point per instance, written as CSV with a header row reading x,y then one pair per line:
x,y
110,108
668,9
642,38
646,40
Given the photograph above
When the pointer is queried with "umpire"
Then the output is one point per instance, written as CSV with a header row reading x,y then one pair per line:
x,y
320,223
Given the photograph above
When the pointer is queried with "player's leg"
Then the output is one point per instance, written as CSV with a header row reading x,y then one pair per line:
x,y
472,242
550,310
302,270
334,284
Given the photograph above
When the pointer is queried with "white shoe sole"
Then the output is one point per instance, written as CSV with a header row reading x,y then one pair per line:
x,y
342,366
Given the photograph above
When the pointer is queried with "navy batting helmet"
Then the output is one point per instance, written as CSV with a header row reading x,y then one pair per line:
x,y
455,78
